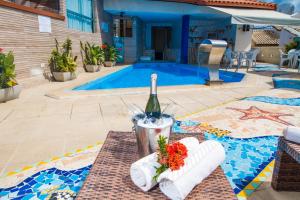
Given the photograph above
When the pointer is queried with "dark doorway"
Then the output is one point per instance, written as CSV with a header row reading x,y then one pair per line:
x,y
161,40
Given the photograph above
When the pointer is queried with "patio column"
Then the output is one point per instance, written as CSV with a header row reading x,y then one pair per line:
x,y
185,39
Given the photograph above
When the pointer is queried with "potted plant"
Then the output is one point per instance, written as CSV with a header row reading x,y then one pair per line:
x,y
9,88
110,54
62,63
93,57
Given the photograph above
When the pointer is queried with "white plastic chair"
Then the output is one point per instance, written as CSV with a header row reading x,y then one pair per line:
x,y
230,57
298,65
296,59
292,58
242,58
251,58
255,53
284,57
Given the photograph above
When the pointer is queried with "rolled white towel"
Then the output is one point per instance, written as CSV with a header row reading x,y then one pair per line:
x,y
143,170
179,183
292,133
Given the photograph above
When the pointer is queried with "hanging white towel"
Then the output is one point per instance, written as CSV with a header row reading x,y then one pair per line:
x,y
292,133
143,170
179,183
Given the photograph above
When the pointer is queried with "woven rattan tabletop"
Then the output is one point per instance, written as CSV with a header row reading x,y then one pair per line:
x,y
109,177
291,148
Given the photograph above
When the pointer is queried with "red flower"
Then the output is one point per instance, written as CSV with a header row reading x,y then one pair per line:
x,y
177,152
1,50
104,46
170,155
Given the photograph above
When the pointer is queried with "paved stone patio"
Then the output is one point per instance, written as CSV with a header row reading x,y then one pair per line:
x,y
36,127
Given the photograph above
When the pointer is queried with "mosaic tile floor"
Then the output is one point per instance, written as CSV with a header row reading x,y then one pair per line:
x,y
244,119
286,83
275,100
248,136
58,178
265,68
246,158
48,184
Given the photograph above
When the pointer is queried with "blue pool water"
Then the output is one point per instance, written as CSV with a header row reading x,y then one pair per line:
x,y
138,75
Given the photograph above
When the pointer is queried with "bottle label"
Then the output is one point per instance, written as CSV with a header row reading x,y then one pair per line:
x,y
153,84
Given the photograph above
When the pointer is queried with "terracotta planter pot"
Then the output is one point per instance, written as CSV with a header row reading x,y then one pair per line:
x,y
64,76
92,68
109,63
11,93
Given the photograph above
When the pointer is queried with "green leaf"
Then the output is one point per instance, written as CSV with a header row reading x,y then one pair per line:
x,y
7,69
61,59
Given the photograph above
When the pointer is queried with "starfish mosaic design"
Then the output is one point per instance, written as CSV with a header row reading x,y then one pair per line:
x,y
255,113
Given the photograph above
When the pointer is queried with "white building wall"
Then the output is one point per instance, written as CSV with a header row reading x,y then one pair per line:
x,y
285,38
243,39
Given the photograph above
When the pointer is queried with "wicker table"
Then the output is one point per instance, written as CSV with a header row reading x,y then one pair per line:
x,y
286,174
109,177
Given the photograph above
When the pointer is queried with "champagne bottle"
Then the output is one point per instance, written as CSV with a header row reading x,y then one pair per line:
x,y
153,107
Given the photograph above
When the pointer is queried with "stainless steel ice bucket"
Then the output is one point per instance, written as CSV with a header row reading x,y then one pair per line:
x,y
147,136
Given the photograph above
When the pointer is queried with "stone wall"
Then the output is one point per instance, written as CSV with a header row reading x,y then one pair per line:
x,y
269,55
20,33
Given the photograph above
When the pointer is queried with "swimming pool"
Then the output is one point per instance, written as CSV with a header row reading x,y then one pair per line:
x,y
138,75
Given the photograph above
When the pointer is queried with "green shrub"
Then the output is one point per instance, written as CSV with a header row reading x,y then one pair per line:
x,y
110,53
61,59
92,54
7,70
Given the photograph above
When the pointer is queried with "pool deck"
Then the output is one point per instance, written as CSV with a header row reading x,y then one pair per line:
x,y
49,119
36,127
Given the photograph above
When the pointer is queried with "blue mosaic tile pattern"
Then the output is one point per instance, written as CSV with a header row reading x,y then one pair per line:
x,y
275,100
286,83
266,68
178,124
48,184
245,158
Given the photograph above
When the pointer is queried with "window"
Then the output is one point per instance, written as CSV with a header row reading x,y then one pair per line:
x,y
48,5
80,15
122,27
